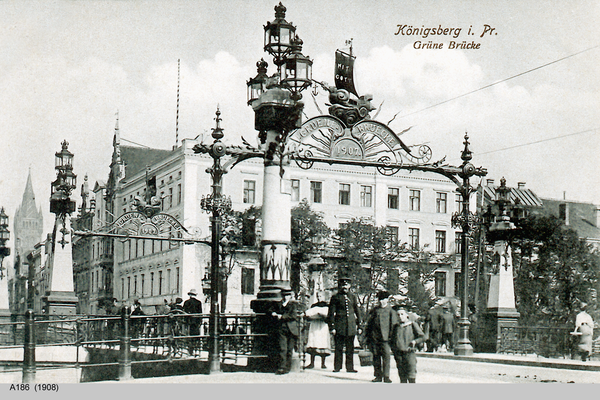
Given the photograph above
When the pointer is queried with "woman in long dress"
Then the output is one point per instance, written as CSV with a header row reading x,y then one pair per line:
x,y
584,328
319,341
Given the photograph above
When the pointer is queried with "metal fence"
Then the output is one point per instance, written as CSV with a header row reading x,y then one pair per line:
x,y
544,341
139,339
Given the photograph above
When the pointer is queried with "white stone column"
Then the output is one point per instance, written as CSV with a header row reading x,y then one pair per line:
x,y
61,298
502,288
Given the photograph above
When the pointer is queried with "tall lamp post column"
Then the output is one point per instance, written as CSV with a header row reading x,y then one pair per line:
x,y
464,220
277,107
215,204
61,298
4,252
501,312
276,103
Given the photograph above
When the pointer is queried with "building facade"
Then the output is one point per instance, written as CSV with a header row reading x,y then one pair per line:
x,y
28,226
415,206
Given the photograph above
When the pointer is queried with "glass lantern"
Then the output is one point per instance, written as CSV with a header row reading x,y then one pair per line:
x,y
64,158
279,35
297,69
257,85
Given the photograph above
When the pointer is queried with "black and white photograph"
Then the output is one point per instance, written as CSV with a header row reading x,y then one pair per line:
x,y
303,192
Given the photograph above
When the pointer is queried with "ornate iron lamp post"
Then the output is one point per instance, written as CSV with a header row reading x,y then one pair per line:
x,y
277,107
465,220
4,236
216,204
61,298
501,313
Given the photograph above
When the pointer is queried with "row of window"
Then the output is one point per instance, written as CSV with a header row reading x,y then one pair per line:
x,y
167,199
440,284
366,196
159,283
134,248
414,238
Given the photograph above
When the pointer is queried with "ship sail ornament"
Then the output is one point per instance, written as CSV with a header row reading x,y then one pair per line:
x,y
347,133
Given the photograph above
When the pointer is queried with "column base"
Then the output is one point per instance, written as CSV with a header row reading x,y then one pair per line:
x,y
491,323
61,303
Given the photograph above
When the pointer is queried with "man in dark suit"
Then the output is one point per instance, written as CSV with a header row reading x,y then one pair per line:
x,y
193,306
380,327
289,314
344,320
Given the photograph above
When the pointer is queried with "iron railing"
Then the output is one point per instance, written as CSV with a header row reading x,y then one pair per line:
x,y
139,339
550,342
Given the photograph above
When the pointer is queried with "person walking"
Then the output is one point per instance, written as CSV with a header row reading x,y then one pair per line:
x,y
319,342
379,331
289,313
433,326
344,321
448,328
584,328
407,337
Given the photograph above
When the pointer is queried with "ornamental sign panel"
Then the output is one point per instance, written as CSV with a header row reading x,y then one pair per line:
x,y
135,223
327,138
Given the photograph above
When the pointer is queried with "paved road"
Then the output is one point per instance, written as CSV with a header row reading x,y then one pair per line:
x,y
435,370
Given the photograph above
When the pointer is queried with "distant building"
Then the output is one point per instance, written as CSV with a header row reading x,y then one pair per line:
x,y
28,226
583,218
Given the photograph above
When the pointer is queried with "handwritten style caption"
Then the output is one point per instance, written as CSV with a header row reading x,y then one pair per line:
x,y
443,32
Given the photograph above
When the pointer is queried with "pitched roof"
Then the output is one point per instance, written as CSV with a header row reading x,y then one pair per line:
x,y
581,216
137,158
519,197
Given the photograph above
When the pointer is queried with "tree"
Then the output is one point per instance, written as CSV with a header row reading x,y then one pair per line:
x,y
554,271
369,255
309,235
239,230
419,267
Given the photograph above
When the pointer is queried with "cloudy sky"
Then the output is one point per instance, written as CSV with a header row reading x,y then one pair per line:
x,y
67,67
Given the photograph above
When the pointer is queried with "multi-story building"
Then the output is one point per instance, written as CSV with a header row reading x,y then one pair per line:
x,y
416,207
28,228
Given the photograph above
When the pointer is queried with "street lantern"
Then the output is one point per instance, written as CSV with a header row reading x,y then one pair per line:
x,y
64,158
65,182
4,236
296,74
279,36
257,85
4,233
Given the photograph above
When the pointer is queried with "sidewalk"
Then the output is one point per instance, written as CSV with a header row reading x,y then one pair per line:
x,y
365,374
531,360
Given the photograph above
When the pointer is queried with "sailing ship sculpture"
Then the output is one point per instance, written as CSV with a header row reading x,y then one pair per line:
x,y
348,133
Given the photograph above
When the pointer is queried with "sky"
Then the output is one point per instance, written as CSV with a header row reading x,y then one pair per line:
x,y
68,67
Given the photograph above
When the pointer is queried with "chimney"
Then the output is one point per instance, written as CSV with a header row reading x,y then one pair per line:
x,y
489,182
597,217
563,212
521,185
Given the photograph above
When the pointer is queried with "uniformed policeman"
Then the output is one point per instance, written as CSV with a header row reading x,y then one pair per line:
x,y
344,321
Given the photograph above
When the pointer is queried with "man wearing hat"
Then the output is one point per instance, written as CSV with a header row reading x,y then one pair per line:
x,y
343,318
379,331
288,313
193,306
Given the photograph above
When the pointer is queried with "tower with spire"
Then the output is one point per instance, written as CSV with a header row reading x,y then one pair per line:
x,y
28,229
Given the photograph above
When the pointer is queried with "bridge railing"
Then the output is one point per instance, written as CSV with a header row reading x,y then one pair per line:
x,y
154,338
550,342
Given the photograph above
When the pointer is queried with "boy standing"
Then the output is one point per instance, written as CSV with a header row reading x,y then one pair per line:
x,y
407,336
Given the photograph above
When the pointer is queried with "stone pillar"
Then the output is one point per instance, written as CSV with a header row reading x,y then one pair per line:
x,y
501,311
61,298
274,258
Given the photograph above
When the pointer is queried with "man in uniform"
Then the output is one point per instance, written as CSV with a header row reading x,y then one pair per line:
x,y
344,321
